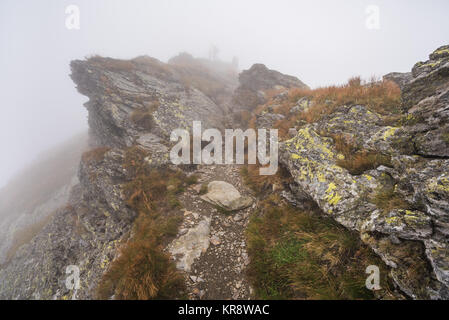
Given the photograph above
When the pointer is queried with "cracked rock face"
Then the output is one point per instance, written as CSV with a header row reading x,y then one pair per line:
x,y
131,103
118,90
426,98
226,196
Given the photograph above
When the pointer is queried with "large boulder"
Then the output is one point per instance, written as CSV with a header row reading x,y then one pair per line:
x,y
259,77
189,247
226,196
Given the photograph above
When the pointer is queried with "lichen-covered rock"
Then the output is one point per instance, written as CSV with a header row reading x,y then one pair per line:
x,y
426,98
438,254
405,224
312,159
365,129
302,105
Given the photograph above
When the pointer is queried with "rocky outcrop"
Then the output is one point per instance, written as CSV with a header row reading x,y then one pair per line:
x,y
267,120
140,101
255,81
140,96
426,98
412,235
131,103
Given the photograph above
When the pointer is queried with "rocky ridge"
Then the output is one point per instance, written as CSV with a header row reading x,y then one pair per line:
x,y
139,102
411,239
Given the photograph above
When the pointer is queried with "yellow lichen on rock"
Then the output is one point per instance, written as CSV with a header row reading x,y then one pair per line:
x,y
389,132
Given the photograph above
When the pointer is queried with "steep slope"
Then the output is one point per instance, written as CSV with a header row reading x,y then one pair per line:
x,y
30,198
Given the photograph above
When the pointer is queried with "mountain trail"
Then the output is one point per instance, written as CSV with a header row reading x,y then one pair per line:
x,y
217,237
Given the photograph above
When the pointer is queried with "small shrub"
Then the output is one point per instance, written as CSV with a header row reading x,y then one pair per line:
x,y
142,272
192,179
357,161
363,161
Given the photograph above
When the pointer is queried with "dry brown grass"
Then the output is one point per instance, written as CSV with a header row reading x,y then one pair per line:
x,y
94,156
112,64
387,199
298,254
383,97
363,161
144,117
261,184
143,270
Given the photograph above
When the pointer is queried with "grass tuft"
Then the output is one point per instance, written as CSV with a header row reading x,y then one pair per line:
x,y
300,255
143,270
356,160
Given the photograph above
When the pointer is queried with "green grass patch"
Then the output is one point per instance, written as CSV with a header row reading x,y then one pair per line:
x,y
300,255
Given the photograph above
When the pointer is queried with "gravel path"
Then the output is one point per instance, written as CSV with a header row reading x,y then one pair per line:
x,y
219,271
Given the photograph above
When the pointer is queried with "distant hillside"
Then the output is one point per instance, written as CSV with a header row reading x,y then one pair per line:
x,y
49,172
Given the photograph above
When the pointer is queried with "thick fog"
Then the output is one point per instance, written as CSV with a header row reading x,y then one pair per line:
x,y
320,42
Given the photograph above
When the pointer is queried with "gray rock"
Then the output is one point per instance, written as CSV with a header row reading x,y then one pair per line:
x,y
190,246
225,195
256,80
403,238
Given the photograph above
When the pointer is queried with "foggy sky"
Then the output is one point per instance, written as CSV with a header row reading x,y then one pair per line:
x,y
320,42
